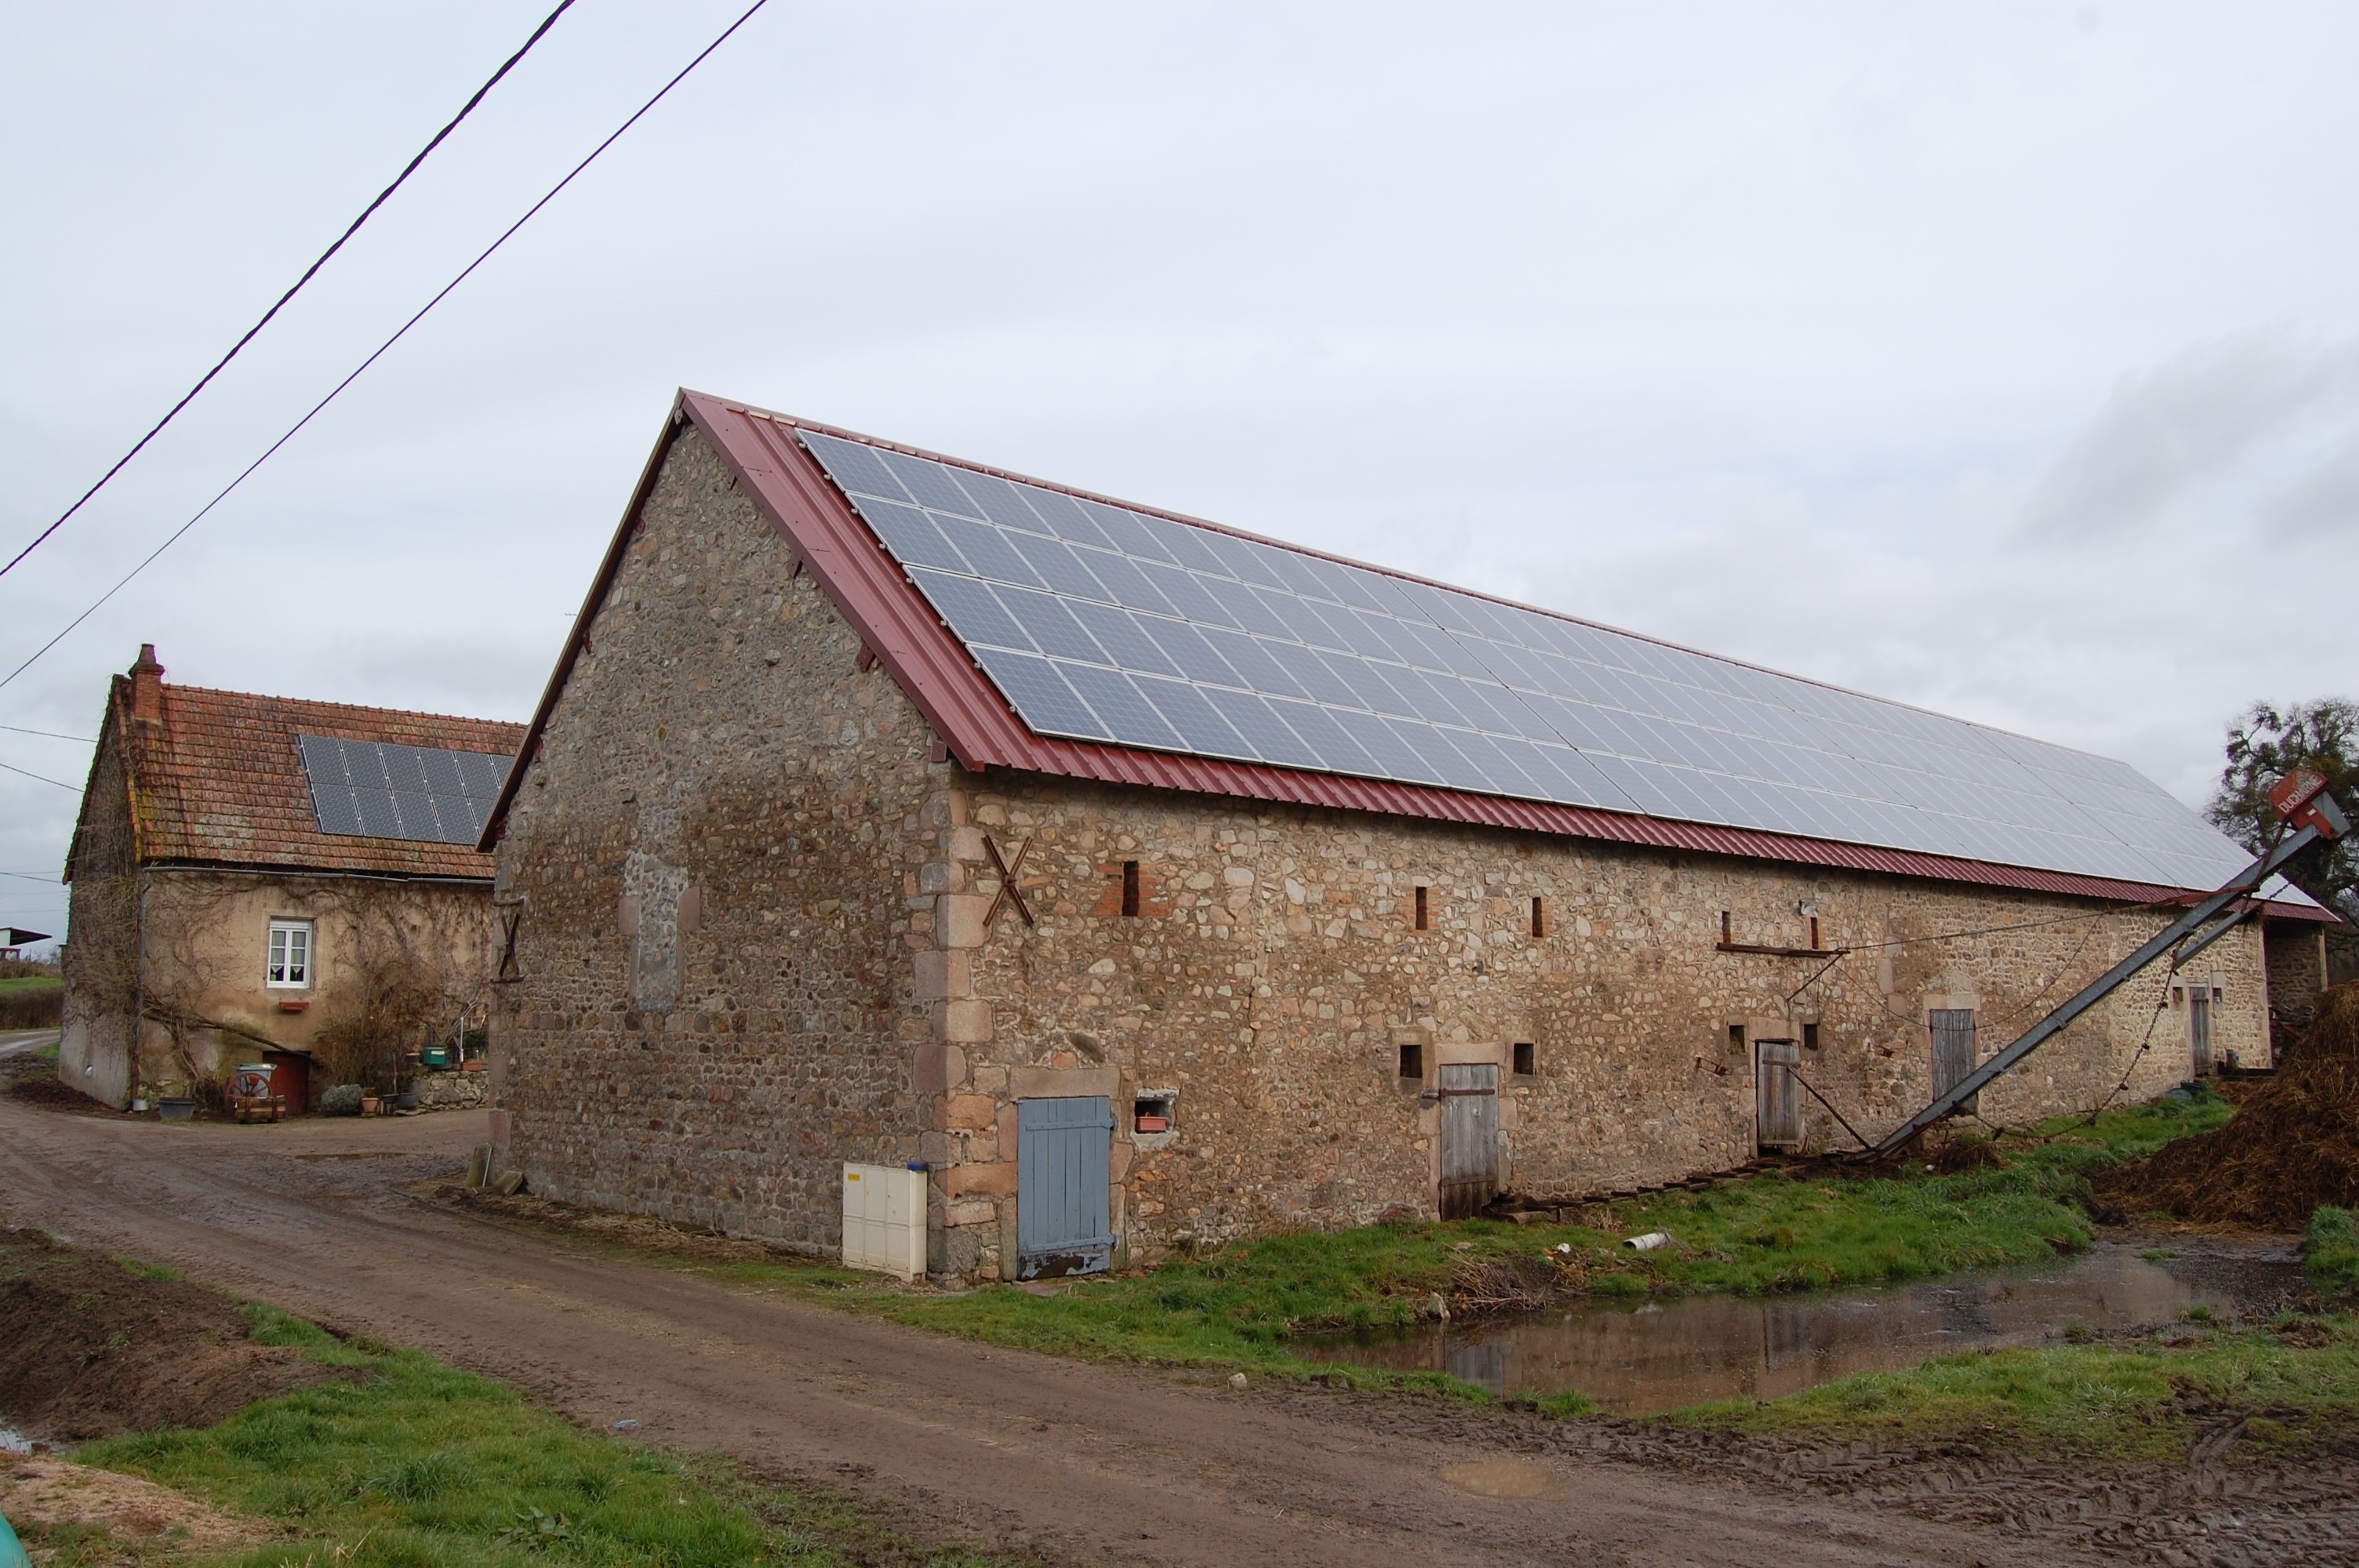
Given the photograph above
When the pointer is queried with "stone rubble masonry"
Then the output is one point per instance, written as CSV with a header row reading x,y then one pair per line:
x,y
762,936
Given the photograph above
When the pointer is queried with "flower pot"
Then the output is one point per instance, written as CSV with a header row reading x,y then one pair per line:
x,y
369,1104
405,1100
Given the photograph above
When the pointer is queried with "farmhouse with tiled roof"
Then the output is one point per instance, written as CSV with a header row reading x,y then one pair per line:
x,y
253,876
1142,882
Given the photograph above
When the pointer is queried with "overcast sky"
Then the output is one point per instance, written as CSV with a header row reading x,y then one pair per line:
x,y
2000,359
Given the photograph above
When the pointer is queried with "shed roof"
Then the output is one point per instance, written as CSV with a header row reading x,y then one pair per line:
x,y
219,779
1045,629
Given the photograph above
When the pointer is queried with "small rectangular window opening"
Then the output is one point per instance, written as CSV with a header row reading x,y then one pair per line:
x,y
1412,1060
1130,887
290,955
1539,919
1736,1037
1420,909
1809,1037
1815,945
1151,1114
1724,935
1527,1062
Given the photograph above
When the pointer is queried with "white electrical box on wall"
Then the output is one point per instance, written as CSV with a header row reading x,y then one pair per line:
x,y
884,1219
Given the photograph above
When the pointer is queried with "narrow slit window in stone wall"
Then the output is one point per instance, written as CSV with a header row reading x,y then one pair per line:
x,y
1526,1062
1130,887
1539,919
1412,1060
1421,917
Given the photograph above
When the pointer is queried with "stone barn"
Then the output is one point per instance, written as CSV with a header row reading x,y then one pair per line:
x,y
257,878
1146,882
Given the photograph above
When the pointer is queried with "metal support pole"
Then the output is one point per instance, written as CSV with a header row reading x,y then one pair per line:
x,y
2048,1027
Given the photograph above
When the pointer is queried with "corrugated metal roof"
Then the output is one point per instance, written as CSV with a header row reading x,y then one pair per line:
x,y
982,731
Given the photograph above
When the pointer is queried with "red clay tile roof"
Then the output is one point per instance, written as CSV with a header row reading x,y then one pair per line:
x,y
221,781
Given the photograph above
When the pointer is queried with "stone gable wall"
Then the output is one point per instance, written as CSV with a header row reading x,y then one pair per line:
x,y
718,1004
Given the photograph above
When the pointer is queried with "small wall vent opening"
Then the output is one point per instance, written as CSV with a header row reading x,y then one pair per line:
x,y
1130,887
1412,1060
1420,918
1539,919
1151,1113
1816,945
1736,1037
1727,935
1809,1037
1526,1059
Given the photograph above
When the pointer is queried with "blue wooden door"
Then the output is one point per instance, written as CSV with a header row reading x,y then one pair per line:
x,y
1063,1165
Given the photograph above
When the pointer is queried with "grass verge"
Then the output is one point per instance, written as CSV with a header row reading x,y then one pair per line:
x,y
2331,1248
1251,1302
2293,1385
409,1462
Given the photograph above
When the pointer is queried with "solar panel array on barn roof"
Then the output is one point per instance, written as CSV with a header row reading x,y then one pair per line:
x,y
1103,623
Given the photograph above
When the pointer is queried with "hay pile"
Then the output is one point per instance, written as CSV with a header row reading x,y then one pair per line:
x,y
2292,1145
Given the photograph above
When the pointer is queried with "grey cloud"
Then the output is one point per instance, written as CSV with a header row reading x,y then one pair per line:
x,y
2325,500
2195,418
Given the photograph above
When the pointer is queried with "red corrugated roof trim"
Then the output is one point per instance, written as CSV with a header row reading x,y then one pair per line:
x,y
980,729
221,781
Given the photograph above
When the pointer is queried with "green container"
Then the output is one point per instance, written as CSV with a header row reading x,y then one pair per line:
x,y
438,1057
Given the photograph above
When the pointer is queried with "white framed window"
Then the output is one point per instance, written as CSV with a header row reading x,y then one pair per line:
x,y
290,955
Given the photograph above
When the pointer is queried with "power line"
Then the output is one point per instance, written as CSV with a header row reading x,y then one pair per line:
x,y
402,331
30,877
13,769
51,734
366,213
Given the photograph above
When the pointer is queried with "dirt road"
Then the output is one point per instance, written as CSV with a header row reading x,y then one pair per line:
x,y
1068,1459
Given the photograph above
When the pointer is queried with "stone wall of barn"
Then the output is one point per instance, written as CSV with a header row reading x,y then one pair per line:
x,y
713,854
1275,972
761,936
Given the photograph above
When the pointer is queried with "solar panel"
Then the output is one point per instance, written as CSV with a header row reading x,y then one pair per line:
x,y
376,789
1100,624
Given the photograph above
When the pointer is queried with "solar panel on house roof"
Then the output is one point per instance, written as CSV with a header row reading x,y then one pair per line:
x,y
377,789
1098,623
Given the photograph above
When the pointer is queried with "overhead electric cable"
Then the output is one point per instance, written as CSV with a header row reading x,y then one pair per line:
x,y
50,734
399,333
11,767
366,213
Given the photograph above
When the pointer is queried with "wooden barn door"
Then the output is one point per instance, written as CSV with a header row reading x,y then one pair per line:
x,y
2198,1031
1063,1199
1778,1097
1470,1137
1953,1051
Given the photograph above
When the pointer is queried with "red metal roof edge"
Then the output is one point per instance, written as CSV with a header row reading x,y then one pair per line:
x,y
930,665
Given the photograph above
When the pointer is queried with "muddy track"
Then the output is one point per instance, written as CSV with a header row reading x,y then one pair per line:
x,y
1065,1459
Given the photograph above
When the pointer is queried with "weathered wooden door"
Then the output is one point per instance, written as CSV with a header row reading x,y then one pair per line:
x,y
1778,1095
2199,1030
1063,1164
1470,1137
1953,1050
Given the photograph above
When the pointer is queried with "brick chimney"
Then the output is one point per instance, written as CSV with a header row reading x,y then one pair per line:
x,y
148,686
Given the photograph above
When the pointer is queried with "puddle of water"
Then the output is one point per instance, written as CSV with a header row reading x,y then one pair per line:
x,y
1652,1357
1500,1478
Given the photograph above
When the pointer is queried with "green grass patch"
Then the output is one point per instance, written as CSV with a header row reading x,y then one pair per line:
x,y
1253,1302
2331,1248
16,984
2296,1379
410,1463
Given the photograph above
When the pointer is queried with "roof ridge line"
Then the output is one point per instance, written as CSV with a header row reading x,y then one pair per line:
x,y
348,707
